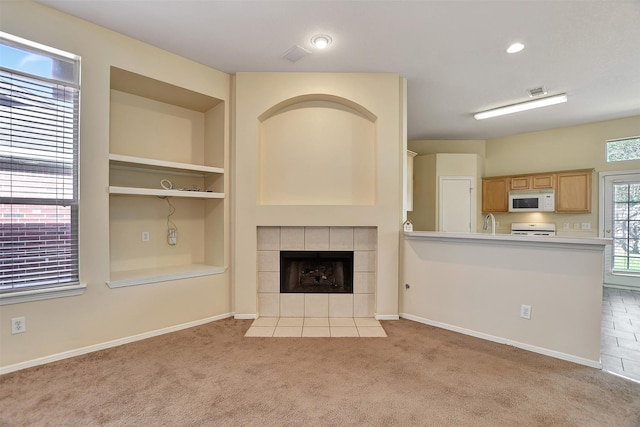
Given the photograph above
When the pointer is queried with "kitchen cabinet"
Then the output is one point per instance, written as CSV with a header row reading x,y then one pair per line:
x,y
573,192
520,183
540,182
495,194
532,182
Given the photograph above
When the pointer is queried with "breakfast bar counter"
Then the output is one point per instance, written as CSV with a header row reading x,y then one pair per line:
x,y
487,285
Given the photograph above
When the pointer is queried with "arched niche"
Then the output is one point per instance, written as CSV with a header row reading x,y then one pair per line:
x,y
317,150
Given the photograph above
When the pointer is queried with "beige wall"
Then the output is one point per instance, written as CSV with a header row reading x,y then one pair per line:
x,y
575,147
426,180
379,94
478,288
435,146
103,314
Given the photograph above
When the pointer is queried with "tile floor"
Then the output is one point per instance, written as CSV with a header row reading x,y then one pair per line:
x,y
620,342
328,327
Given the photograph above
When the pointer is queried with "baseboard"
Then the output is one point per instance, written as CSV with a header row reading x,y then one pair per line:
x,y
89,349
387,317
500,340
245,316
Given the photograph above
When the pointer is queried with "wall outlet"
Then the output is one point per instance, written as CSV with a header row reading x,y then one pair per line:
x,y
145,236
586,226
576,226
172,236
18,325
565,226
525,311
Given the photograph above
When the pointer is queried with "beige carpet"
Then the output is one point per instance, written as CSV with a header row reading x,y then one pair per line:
x,y
212,375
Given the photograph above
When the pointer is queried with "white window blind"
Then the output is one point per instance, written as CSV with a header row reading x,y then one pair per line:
x,y
39,109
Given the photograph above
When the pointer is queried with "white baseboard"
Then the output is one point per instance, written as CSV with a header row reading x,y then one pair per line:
x,y
245,316
108,344
387,317
500,340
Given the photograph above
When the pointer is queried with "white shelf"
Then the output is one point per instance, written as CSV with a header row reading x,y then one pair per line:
x,y
144,163
161,192
121,279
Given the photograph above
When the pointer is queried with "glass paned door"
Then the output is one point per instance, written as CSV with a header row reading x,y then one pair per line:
x,y
622,224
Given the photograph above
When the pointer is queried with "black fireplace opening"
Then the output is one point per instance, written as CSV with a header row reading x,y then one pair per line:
x,y
316,272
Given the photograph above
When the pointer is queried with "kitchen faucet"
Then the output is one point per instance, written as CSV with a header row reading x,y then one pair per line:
x,y
493,223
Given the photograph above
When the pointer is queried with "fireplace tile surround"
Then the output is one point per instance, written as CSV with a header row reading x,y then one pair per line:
x,y
361,240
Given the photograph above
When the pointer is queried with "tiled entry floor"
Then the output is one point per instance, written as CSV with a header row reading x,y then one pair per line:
x,y
315,327
620,342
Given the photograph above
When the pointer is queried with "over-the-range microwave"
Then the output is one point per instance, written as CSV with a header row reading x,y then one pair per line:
x,y
531,201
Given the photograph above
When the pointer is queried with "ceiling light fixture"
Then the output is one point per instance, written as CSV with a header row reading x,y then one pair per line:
x,y
522,106
515,48
321,41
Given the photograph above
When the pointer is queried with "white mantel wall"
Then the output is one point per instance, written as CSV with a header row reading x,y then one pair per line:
x,y
382,96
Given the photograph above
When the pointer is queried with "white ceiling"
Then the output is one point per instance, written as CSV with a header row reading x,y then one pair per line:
x,y
452,53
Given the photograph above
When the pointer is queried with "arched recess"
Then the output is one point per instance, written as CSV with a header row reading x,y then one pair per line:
x,y
317,149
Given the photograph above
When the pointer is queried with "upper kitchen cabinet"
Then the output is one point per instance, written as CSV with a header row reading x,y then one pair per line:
x,y
573,191
532,182
540,182
495,194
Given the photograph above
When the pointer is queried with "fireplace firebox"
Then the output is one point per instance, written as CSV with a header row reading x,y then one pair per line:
x,y
316,272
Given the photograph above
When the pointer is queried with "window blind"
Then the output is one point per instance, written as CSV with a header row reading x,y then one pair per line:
x,y
39,112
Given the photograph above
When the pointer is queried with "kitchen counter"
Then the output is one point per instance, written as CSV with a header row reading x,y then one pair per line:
x,y
584,243
479,284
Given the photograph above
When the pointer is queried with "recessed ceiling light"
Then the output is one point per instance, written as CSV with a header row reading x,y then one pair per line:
x,y
321,41
514,48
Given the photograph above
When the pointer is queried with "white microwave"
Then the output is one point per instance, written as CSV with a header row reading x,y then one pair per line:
x,y
538,201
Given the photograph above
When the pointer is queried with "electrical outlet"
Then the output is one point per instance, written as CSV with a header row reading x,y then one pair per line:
x,y
172,236
565,226
525,311
145,236
576,226
18,325
586,226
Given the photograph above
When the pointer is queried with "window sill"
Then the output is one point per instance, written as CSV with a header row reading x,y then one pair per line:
x,y
42,294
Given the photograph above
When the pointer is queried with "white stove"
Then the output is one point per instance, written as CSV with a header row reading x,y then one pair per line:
x,y
533,229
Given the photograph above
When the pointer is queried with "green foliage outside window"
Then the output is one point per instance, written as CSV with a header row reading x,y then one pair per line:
x,y
623,149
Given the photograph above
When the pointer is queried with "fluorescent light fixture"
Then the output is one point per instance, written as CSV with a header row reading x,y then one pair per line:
x,y
523,106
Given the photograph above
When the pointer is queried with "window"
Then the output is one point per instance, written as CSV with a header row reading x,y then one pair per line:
x,y
623,149
39,119
626,227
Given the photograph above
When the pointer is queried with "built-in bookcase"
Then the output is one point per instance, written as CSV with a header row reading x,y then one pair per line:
x,y
166,170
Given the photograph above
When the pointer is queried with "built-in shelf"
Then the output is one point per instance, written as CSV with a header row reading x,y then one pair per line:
x,y
161,165
161,192
169,142
121,279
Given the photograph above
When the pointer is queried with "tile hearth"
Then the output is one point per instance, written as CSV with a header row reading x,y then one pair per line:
x,y
325,327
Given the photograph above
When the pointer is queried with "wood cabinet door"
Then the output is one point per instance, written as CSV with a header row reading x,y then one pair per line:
x,y
542,181
573,194
494,195
520,183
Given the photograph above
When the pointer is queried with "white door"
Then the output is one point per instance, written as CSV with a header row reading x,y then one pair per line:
x,y
620,210
455,200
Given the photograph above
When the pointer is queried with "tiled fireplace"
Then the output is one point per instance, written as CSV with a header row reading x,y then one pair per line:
x,y
361,240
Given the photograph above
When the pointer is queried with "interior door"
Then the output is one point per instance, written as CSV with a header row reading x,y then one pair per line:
x,y
456,199
620,210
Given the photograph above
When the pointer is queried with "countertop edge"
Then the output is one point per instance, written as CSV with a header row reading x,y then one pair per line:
x,y
589,243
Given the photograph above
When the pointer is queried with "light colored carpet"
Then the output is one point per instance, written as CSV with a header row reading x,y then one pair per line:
x,y
212,375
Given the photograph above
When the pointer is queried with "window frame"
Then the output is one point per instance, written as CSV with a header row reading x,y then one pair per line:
x,y
65,194
610,142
